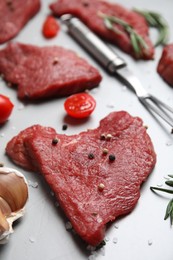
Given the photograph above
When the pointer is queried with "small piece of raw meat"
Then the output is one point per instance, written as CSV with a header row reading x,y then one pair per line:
x,y
85,9
44,72
96,175
14,15
165,66
16,150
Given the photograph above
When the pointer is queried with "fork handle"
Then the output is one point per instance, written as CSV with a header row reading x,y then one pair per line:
x,y
94,45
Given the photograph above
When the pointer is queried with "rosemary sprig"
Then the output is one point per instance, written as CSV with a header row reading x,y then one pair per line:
x,y
169,211
137,41
157,21
169,208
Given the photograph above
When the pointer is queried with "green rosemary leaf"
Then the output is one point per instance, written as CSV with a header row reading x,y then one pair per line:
x,y
141,41
161,189
138,43
135,44
169,211
156,20
163,36
169,208
110,26
151,21
171,217
169,183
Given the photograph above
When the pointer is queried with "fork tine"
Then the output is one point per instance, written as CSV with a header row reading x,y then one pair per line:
x,y
155,105
159,102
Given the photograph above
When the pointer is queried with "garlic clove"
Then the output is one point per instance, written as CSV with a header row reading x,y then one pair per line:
x,y
4,207
4,229
13,197
3,223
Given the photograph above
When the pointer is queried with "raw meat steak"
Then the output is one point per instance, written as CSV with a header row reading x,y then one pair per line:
x,y
95,175
165,66
85,9
14,15
43,72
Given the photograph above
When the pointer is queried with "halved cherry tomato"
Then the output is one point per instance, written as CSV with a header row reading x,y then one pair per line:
x,y
80,105
6,107
50,27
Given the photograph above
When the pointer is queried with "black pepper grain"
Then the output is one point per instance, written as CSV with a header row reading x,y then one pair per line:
x,y
94,214
102,137
55,141
64,127
55,61
85,4
91,156
111,157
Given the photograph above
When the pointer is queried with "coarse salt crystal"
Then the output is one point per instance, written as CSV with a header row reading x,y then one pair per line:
x,y
91,257
116,226
33,184
52,193
110,105
68,225
31,239
169,143
21,107
106,239
91,248
56,204
150,242
115,240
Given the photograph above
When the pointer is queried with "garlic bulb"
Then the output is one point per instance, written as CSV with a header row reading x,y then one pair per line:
x,y
13,197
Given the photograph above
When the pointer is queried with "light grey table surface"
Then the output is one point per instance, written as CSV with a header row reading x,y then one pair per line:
x,y
143,234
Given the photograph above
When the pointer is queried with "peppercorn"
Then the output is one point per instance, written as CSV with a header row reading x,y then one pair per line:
x,y
102,137
55,141
108,137
64,127
112,157
91,156
105,151
55,61
101,187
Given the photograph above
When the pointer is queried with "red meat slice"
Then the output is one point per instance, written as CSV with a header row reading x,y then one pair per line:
x,y
165,65
14,15
43,72
93,187
88,11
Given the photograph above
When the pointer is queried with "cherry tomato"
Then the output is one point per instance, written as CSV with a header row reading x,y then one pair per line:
x,y
50,27
80,105
6,107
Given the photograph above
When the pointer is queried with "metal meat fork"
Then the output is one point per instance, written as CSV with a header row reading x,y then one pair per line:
x,y
115,65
